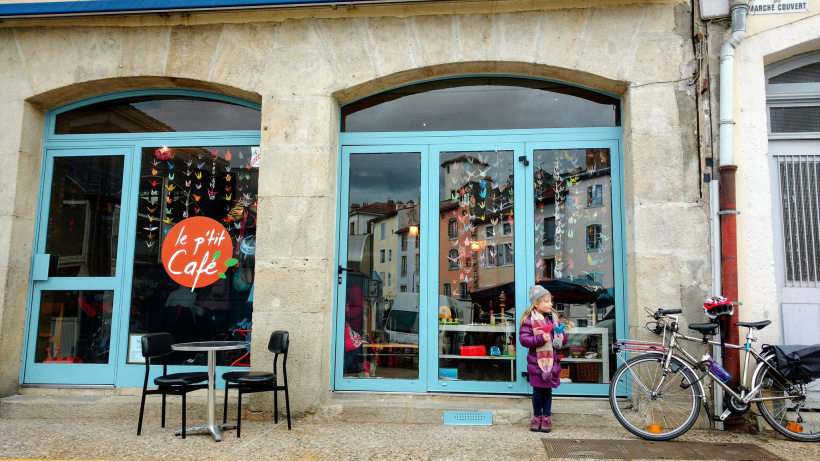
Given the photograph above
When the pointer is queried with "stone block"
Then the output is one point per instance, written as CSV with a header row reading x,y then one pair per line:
x,y
671,229
6,225
297,71
26,189
301,171
11,116
293,292
144,50
297,120
608,40
191,50
655,58
392,49
347,46
434,36
518,36
54,60
22,234
297,34
240,56
562,35
476,38
31,141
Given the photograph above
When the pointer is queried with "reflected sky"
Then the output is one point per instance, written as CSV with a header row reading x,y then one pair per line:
x,y
486,107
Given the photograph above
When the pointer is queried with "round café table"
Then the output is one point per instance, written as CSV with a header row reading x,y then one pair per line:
x,y
210,347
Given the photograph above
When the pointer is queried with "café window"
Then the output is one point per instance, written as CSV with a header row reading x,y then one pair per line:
x,y
176,184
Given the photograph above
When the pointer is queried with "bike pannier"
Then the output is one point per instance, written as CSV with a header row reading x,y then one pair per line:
x,y
798,363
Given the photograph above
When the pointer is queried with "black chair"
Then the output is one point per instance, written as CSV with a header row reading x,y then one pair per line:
x,y
158,345
247,382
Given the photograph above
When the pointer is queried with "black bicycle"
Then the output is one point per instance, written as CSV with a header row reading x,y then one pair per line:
x,y
656,394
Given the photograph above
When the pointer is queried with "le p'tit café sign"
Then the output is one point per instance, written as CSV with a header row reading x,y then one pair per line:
x,y
197,252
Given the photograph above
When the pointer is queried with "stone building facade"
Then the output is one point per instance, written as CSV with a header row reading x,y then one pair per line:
x,y
301,64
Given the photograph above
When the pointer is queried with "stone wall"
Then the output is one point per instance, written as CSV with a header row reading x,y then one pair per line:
x,y
301,69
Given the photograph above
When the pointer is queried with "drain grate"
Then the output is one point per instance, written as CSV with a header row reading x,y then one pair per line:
x,y
468,418
645,449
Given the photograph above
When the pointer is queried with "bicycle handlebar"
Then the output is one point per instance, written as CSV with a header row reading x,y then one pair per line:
x,y
664,312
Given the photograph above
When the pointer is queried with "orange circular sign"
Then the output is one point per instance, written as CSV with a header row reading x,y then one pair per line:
x,y
197,252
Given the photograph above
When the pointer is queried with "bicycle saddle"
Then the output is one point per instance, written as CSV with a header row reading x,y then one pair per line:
x,y
756,325
705,328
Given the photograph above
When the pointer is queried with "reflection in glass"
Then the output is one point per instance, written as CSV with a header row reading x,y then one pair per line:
x,y
573,253
481,103
74,327
476,267
84,215
220,183
383,273
155,114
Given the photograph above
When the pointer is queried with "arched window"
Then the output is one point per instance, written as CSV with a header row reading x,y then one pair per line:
x,y
158,114
481,103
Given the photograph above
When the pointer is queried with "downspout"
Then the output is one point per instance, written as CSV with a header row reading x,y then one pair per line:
x,y
727,213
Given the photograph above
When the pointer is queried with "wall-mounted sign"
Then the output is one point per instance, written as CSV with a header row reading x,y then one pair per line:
x,y
197,252
778,6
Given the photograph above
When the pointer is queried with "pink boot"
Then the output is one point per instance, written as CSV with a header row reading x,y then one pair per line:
x,y
546,424
535,423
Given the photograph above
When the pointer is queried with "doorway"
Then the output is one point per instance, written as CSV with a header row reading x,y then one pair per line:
x,y
438,235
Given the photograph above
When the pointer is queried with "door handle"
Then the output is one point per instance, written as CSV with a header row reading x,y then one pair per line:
x,y
342,269
523,158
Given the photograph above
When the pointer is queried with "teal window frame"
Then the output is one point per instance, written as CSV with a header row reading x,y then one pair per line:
x,y
124,374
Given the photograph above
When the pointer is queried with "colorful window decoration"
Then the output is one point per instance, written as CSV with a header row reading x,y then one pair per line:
x,y
178,185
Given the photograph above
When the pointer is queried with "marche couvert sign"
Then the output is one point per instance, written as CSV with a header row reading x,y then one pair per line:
x,y
16,8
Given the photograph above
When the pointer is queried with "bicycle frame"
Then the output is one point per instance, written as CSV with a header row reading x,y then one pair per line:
x,y
745,396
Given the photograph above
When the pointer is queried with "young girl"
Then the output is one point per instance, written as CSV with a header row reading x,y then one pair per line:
x,y
542,332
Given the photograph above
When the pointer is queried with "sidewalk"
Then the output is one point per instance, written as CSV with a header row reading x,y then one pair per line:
x,y
315,438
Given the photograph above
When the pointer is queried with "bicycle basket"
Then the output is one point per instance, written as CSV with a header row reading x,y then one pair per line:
x,y
717,306
798,363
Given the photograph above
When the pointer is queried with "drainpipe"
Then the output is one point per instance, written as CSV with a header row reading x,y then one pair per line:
x,y
727,169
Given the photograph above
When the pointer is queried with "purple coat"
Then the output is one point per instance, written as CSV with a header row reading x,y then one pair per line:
x,y
531,342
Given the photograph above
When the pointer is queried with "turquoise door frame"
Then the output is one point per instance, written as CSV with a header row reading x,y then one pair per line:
x,y
70,373
523,143
118,372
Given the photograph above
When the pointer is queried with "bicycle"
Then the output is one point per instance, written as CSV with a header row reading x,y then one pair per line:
x,y
655,394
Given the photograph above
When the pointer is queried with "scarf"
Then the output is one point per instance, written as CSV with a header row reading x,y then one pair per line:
x,y
544,354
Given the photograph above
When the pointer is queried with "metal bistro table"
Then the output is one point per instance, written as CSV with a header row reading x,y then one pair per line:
x,y
210,347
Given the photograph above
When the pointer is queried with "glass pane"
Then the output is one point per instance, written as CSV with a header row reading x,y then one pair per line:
x,y
220,183
804,119
573,253
382,257
84,215
805,74
74,327
153,114
481,103
799,207
476,267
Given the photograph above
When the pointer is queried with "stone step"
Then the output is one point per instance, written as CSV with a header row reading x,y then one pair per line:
x,y
430,408
342,406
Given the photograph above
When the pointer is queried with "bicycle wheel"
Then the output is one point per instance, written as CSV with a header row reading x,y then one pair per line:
x,y
797,418
651,405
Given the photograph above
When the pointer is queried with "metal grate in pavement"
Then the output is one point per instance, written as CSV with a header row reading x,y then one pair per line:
x,y
645,449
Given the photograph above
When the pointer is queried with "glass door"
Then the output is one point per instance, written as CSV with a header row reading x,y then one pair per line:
x,y
78,266
381,269
477,267
576,230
